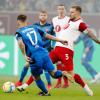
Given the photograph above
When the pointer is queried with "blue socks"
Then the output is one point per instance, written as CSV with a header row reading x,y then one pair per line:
x,y
23,74
58,74
41,85
47,75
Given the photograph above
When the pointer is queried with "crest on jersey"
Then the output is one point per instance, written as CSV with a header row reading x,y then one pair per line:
x,y
57,28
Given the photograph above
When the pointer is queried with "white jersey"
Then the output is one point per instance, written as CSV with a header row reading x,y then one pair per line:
x,y
60,24
71,33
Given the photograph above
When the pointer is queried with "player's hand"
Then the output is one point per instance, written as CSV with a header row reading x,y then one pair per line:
x,y
27,58
64,42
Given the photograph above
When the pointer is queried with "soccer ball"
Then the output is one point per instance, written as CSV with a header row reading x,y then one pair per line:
x,y
8,87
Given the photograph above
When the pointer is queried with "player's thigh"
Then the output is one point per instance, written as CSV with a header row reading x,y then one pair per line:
x,y
48,65
59,65
36,70
53,56
71,73
67,59
38,60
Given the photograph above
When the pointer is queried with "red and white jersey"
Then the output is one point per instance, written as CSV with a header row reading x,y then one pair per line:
x,y
71,33
60,24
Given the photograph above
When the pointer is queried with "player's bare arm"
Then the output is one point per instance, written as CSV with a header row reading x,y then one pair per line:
x,y
90,34
56,39
22,48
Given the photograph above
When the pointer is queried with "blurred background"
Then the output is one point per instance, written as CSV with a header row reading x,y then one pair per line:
x,y
11,60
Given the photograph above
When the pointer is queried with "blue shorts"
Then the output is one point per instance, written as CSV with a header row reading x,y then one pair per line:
x,y
42,62
89,55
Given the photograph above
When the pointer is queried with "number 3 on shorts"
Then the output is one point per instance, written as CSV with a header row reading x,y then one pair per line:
x,y
67,56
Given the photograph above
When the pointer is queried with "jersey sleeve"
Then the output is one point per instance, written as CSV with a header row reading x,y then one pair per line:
x,y
82,27
54,34
18,36
52,30
42,33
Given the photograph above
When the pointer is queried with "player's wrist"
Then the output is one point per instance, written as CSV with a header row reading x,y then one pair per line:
x,y
24,56
59,40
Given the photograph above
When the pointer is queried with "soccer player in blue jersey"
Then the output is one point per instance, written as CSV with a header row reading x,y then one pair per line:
x,y
29,40
88,55
47,43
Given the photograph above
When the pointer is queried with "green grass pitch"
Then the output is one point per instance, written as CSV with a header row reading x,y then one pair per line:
x,y
74,92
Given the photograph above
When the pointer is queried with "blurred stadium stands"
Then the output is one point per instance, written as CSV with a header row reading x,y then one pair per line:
x,y
89,6
9,9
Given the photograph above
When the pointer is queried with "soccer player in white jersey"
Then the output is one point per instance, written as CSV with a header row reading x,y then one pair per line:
x,y
60,22
71,32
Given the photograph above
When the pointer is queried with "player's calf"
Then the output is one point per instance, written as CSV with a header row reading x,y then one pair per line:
x,y
68,75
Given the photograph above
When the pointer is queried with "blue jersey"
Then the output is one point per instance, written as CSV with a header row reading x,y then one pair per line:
x,y
48,28
31,37
87,41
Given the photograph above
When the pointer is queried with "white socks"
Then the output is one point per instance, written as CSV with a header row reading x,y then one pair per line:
x,y
88,90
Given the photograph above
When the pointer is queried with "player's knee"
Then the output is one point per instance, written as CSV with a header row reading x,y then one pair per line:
x,y
56,74
51,73
71,73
